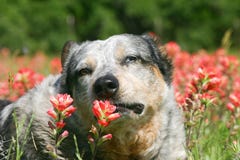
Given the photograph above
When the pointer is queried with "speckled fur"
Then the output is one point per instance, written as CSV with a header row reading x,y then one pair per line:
x,y
155,134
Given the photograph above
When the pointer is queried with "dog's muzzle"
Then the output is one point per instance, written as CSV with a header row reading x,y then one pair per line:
x,y
106,87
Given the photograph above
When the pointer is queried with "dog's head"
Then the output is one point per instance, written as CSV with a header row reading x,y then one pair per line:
x,y
127,70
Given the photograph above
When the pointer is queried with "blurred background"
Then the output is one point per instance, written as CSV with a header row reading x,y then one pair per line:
x,y
30,25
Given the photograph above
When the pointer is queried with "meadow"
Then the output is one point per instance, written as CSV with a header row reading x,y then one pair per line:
x,y
207,89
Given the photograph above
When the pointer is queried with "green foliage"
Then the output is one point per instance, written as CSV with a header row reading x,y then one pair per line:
x,y
27,24
213,145
47,24
16,148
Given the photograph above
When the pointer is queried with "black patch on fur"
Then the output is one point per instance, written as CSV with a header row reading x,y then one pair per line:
x,y
4,103
69,76
66,51
163,62
5,130
70,73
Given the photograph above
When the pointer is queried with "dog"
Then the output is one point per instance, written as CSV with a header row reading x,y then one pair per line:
x,y
129,71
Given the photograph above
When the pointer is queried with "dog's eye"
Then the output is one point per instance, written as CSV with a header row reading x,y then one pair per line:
x,y
85,71
130,59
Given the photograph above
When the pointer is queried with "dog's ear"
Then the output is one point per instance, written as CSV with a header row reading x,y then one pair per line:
x,y
156,38
159,56
66,51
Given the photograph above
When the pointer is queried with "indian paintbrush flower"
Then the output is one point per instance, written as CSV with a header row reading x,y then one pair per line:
x,y
61,110
104,111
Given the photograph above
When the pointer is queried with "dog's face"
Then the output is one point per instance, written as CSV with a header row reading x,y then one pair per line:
x,y
127,70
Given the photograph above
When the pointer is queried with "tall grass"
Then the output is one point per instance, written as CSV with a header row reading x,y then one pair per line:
x,y
16,149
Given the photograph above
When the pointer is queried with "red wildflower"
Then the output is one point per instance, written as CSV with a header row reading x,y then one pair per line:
x,y
206,80
61,101
52,113
60,124
24,80
68,111
104,112
24,74
230,107
56,66
172,48
206,97
235,99
107,137
62,109
64,134
201,74
212,84
4,89
103,122
27,77
90,139
180,98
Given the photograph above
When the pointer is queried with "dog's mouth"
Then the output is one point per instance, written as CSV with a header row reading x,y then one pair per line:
x,y
127,107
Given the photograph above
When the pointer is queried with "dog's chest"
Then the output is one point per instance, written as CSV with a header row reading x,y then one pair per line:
x,y
139,143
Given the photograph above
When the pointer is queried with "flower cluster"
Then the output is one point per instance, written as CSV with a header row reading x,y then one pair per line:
x,y
61,110
207,87
55,65
13,82
199,95
234,101
203,86
105,114
96,138
17,85
26,79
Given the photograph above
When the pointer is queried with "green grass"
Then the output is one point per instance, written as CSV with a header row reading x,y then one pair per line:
x,y
212,145
215,143
16,149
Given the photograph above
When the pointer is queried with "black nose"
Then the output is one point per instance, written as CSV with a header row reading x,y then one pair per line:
x,y
105,87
